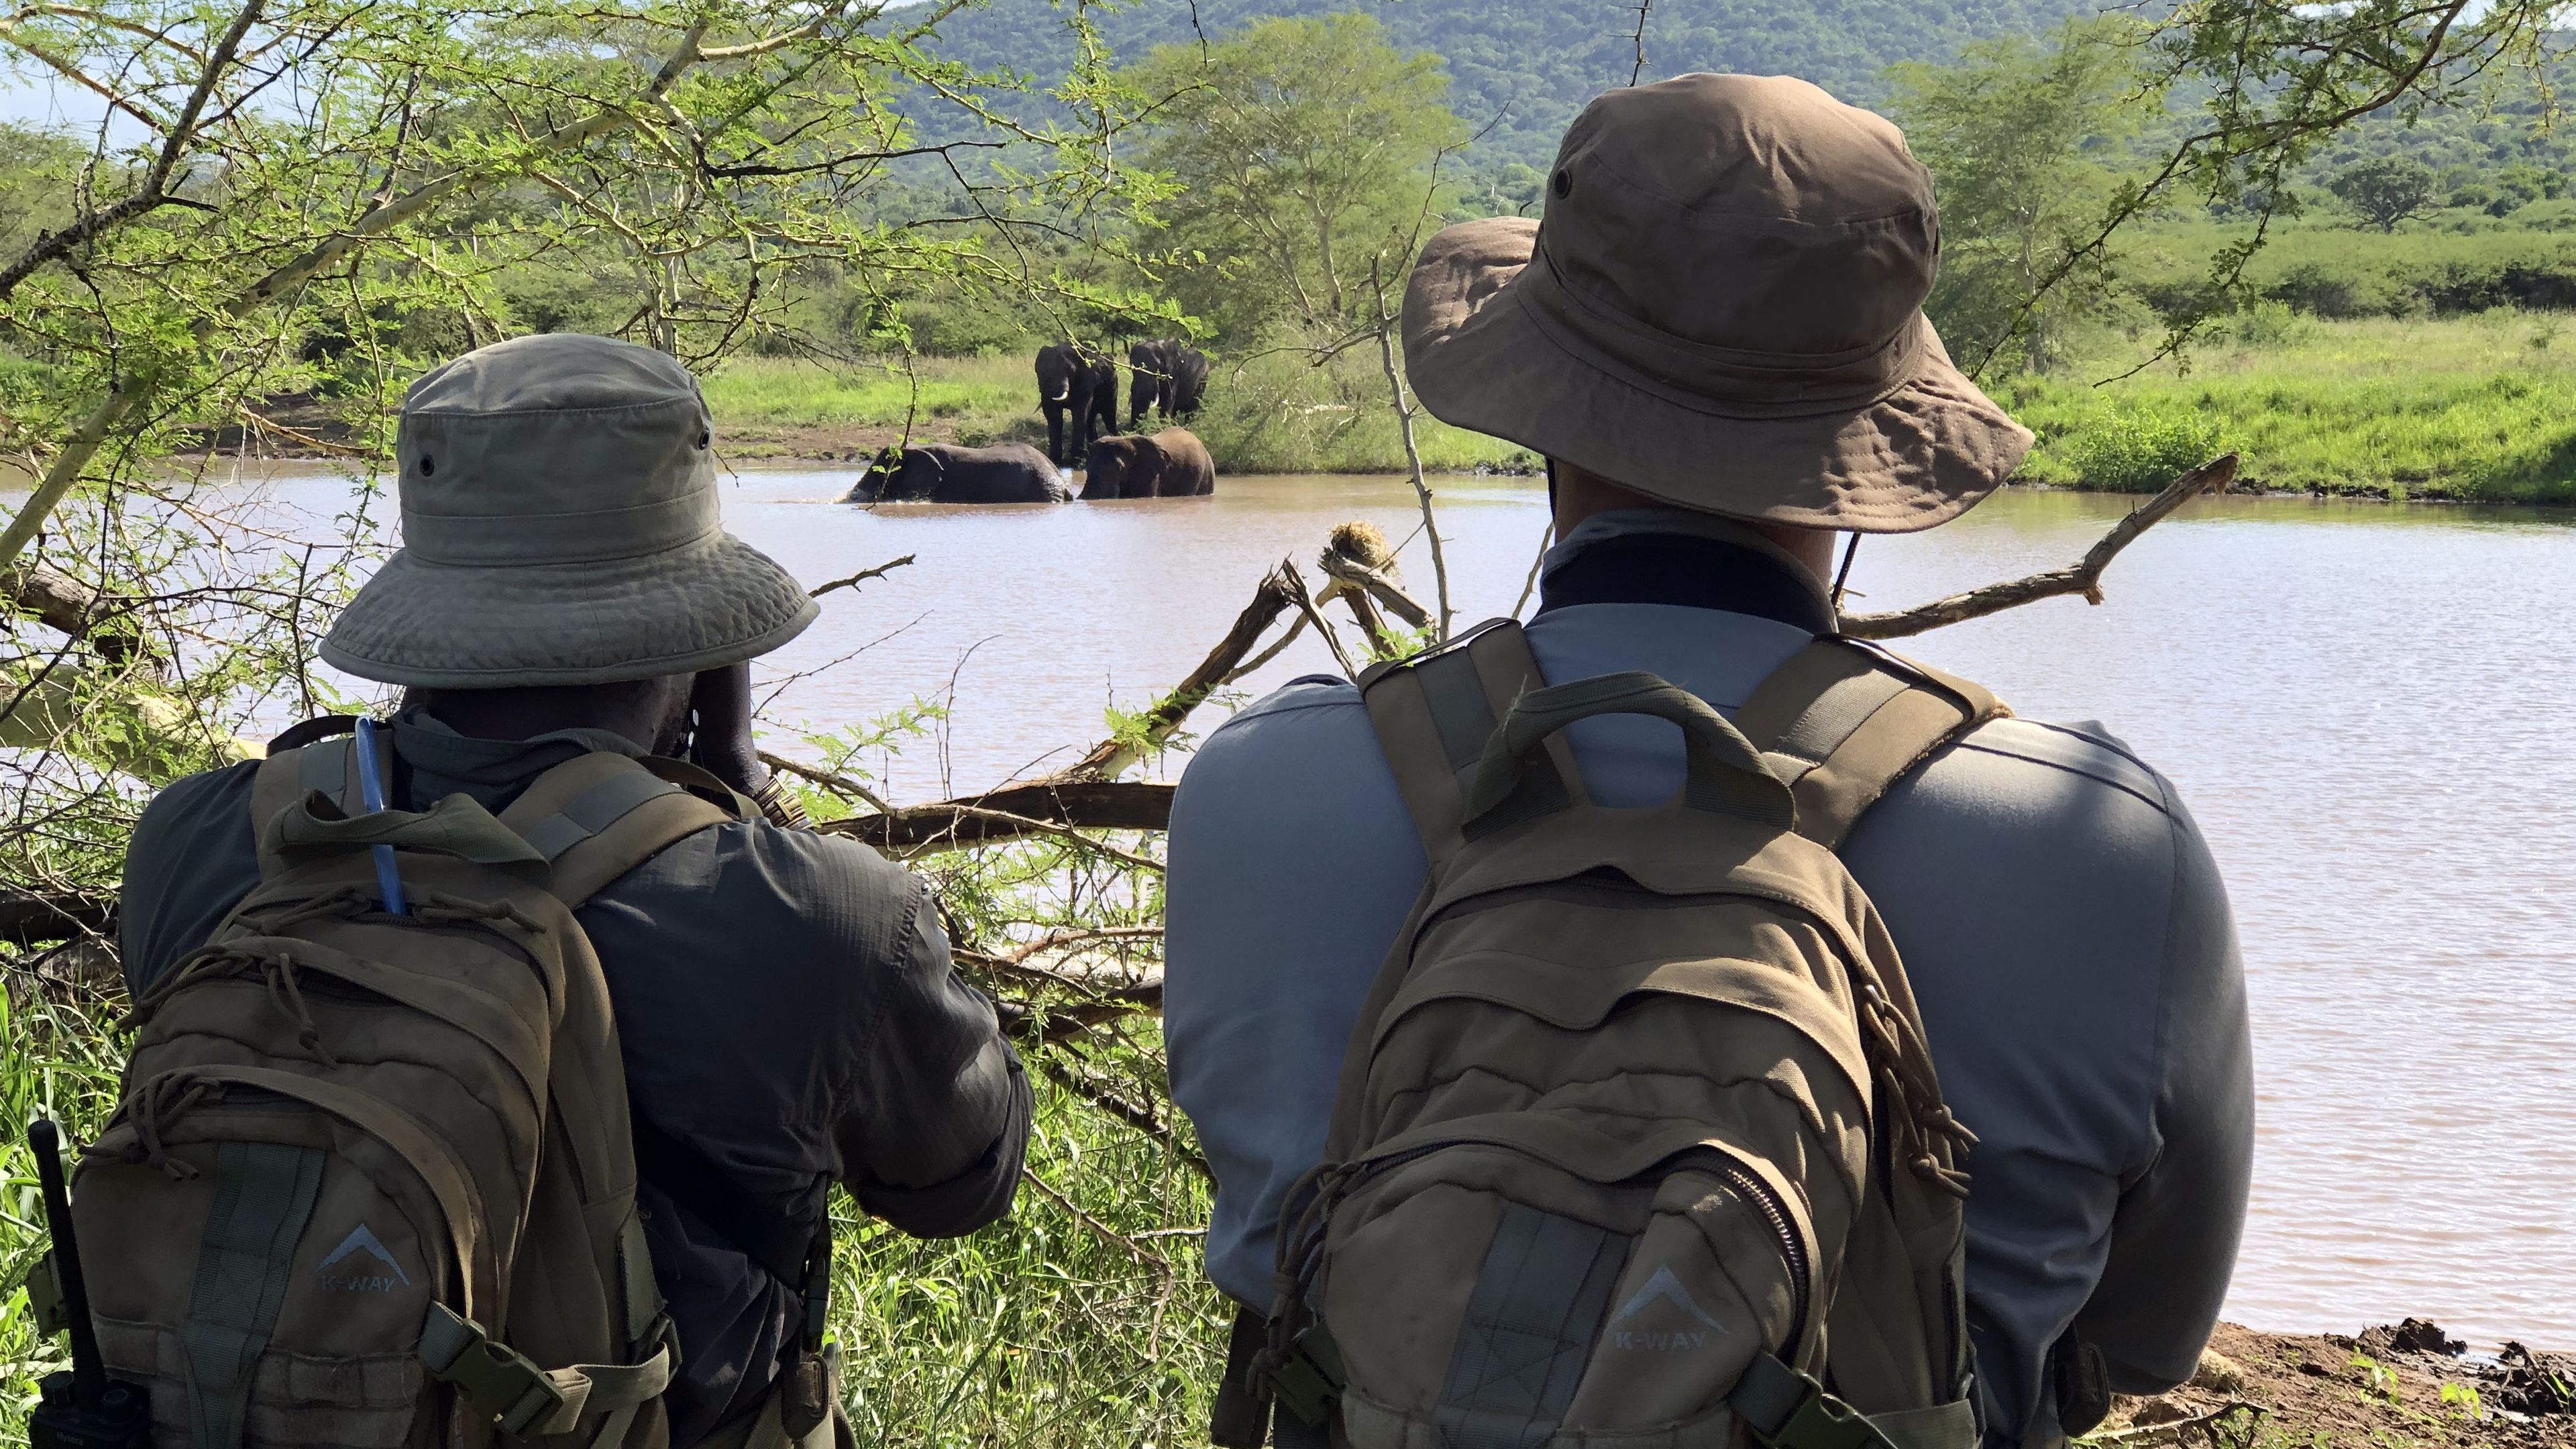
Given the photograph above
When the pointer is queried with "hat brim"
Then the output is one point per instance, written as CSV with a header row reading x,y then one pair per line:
x,y
1481,357
704,605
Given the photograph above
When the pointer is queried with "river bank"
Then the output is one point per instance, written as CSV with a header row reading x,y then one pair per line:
x,y
2397,1384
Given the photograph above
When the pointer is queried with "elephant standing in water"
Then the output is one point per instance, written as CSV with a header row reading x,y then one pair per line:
x,y
947,473
1171,464
1077,384
1169,374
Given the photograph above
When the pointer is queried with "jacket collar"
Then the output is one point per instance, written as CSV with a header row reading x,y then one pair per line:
x,y
440,762
1673,556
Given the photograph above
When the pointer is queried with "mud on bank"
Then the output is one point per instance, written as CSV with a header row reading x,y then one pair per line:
x,y
2401,1384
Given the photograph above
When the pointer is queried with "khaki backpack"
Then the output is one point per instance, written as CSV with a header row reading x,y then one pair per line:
x,y
371,1181
1637,1143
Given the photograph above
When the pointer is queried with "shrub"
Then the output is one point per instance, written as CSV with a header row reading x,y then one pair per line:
x,y
2140,449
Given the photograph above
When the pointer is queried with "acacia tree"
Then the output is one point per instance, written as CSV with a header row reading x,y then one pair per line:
x,y
2026,142
2384,190
1302,152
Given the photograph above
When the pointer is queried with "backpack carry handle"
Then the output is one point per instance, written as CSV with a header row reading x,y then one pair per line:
x,y
1727,775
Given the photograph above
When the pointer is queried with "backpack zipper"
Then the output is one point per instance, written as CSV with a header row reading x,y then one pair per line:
x,y
1792,1250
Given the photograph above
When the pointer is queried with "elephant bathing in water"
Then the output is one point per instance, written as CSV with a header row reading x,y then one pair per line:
x,y
947,473
1171,464
1169,374
1076,384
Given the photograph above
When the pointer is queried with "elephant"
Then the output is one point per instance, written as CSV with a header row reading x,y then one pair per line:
x,y
1079,383
947,473
1169,374
1171,464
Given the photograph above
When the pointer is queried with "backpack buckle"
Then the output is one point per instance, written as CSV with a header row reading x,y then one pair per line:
x,y
1308,1381
1786,1409
499,1381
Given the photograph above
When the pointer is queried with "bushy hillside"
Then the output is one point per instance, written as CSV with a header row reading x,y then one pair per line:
x,y
1533,63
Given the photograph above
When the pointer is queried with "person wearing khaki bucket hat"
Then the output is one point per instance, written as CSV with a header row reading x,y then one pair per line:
x,y
566,607
1715,336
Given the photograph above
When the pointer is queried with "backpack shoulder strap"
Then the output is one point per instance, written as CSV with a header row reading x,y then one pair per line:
x,y
1434,712
600,816
1844,720
290,773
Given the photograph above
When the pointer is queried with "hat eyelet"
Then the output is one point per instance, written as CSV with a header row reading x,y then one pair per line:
x,y
428,465
1563,185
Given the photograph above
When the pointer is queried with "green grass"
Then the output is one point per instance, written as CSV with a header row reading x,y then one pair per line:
x,y
773,392
2472,408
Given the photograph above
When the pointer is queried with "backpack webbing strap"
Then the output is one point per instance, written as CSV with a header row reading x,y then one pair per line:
x,y
602,815
1434,713
1842,721
1786,1409
264,1194
507,1388
1529,1329
286,776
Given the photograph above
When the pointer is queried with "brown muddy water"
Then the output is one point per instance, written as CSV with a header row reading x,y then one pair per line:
x,y
2368,707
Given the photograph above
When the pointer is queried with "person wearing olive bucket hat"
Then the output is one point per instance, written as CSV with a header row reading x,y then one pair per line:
x,y
565,600
1714,334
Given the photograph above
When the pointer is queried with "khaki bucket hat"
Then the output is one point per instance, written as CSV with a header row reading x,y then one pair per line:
x,y
1721,307
560,527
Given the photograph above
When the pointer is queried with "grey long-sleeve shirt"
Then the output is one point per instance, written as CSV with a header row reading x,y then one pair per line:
x,y
786,1006
2059,915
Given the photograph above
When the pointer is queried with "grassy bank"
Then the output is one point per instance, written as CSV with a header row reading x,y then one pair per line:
x,y
2477,408
1265,415
2472,408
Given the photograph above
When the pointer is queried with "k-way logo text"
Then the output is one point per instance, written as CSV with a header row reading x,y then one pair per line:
x,y
1666,1289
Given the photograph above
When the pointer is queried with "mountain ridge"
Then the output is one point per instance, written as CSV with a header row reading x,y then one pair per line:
x,y
1520,70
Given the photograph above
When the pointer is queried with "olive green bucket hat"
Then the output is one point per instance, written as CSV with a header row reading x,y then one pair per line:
x,y
1722,307
560,527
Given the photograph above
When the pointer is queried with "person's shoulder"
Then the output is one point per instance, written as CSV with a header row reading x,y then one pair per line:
x,y
790,888
216,799
2058,762
1308,727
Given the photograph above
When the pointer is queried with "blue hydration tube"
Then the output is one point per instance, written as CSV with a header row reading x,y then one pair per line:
x,y
371,792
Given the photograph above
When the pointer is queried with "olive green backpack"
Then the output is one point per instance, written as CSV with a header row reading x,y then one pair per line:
x,y
1638,1144
371,1182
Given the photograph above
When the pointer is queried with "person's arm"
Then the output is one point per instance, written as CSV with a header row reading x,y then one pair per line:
x,y
935,1143
191,860
2175,1232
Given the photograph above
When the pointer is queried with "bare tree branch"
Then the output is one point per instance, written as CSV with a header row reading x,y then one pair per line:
x,y
856,579
153,192
2083,577
1111,757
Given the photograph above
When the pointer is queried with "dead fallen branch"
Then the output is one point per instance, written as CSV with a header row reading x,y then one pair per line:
x,y
1044,806
1357,558
2083,577
1141,1117
856,579
1305,602
27,920
62,602
829,780
1112,757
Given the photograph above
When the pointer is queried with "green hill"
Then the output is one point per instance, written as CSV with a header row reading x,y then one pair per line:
x,y
1526,66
